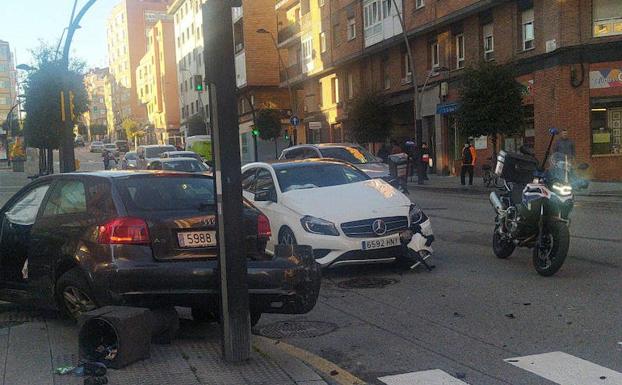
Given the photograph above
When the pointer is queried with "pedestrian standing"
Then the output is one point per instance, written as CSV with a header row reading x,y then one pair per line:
x,y
565,145
469,157
425,160
106,156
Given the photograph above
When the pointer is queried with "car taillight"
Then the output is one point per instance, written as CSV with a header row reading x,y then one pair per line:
x,y
263,227
124,231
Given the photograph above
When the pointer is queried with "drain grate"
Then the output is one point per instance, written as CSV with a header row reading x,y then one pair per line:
x,y
298,329
366,283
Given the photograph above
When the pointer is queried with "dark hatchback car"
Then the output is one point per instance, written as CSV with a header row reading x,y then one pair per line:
x,y
79,241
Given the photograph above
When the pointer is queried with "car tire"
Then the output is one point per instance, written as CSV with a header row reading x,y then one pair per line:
x,y
286,236
74,295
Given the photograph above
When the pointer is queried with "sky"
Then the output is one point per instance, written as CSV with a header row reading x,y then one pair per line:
x,y
25,22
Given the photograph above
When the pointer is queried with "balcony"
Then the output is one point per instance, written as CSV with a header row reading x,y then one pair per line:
x,y
291,33
288,32
292,72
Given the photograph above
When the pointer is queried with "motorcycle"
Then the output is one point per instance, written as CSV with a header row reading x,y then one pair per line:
x,y
534,206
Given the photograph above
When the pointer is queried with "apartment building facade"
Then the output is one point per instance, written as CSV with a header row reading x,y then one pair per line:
x,y
567,54
95,84
157,82
8,88
127,27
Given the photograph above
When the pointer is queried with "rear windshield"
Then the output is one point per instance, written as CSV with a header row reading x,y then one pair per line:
x,y
155,152
185,165
165,193
186,155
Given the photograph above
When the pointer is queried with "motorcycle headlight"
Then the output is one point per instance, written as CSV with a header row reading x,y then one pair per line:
x,y
318,226
415,214
562,189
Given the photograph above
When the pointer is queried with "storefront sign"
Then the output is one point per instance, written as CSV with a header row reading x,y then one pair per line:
x,y
480,143
315,125
447,108
606,78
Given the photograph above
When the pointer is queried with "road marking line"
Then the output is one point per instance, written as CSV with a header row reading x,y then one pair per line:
x,y
564,369
428,377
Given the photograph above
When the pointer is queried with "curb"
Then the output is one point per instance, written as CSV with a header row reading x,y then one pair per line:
x,y
328,370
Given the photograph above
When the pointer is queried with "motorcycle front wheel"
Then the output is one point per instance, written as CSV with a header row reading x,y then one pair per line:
x,y
502,248
551,249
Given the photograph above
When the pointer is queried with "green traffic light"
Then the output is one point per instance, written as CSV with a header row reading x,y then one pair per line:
x,y
199,87
255,132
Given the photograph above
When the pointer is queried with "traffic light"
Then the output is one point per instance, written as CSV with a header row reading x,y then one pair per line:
x,y
198,83
71,106
255,132
286,135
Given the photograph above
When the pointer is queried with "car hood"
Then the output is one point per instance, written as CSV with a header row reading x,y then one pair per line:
x,y
374,170
350,202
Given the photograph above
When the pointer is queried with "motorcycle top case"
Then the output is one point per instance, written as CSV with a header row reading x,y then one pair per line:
x,y
516,168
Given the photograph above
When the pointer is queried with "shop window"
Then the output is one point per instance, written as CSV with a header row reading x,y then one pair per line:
x,y
606,123
607,16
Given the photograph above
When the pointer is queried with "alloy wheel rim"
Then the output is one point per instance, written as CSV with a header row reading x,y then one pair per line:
x,y
288,238
77,301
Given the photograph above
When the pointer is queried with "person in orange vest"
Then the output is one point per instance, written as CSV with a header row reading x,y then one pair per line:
x,y
469,156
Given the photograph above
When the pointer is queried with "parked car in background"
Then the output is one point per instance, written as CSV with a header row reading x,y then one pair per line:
x,y
346,216
351,153
122,146
96,146
149,153
178,164
112,148
62,236
78,141
128,160
182,154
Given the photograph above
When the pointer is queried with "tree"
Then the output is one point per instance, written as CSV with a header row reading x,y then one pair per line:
x,y
42,90
268,125
371,118
491,102
132,130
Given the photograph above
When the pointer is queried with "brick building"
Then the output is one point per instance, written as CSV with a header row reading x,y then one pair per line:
x,y
568,54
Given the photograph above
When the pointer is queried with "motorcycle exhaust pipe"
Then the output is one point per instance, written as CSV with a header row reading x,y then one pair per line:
x,y
496,202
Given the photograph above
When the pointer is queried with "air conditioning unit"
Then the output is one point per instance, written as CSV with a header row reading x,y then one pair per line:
x,y
407,79
551,45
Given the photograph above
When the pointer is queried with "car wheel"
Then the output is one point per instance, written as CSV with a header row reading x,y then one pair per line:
x,y
74,295
287,237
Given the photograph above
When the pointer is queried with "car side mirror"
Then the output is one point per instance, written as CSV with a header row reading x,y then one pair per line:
x,y
265,196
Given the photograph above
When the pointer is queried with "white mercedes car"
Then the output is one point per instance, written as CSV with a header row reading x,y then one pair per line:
x,y
346,216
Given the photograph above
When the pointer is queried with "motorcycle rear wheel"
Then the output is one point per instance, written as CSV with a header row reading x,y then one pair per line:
x,y
502,249
551,249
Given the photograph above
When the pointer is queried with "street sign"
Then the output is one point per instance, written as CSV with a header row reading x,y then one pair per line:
x,y
294,120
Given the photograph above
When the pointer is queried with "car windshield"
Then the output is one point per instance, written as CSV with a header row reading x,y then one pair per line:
x,y
155,152
351,154
169,193
130,156
185,165
316,175
185,155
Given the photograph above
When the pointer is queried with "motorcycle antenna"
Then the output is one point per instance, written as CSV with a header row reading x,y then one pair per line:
x,y
554,131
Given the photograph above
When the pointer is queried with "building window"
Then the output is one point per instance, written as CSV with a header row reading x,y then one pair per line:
x,y
460,51
606,121
351,28
419,4
434,53
607,17
350,79
372,17
307,54
334,89
406,72
528,31
489,42
322,42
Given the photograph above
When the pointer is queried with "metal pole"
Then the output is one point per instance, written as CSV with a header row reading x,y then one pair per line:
x,y
220,74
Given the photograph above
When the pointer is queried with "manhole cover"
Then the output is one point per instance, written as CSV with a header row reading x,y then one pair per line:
x,y
366,283
299,329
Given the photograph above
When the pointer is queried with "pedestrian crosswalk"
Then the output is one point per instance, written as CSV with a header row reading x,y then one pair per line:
x,y
558,367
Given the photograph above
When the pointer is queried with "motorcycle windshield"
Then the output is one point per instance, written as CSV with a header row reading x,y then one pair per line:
x,y
560,167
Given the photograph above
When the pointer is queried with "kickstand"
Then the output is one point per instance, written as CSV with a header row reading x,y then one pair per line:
x,y
420,260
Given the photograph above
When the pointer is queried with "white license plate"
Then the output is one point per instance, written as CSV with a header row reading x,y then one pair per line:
x,y
381,243
197,239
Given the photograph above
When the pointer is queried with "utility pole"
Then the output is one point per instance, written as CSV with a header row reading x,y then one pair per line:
x,y
67,155
220,75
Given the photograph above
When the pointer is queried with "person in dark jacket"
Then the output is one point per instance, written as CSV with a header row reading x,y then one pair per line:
x,y
425,160
383,152
565,145
469,156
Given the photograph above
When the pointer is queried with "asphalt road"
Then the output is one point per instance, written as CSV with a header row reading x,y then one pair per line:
x,y
474,310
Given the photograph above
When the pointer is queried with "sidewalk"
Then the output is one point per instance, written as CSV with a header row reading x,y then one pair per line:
x,y
452,184
33,344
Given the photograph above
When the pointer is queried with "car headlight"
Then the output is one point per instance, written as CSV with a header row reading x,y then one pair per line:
x,y
562,189
318,226
415,214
